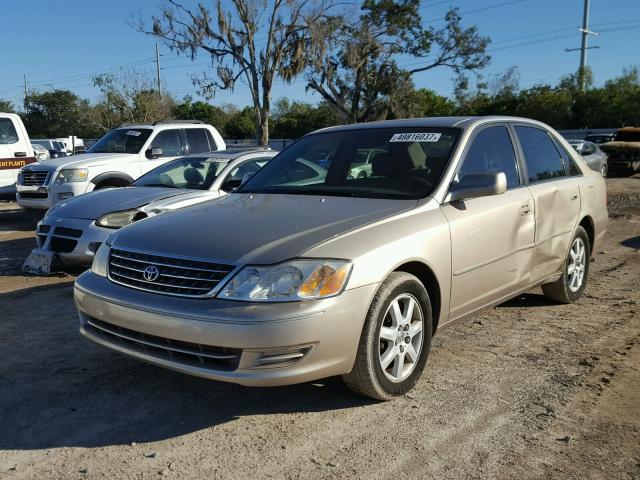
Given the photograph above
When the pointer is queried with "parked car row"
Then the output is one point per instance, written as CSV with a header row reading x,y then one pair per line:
x,y
595,158
341,255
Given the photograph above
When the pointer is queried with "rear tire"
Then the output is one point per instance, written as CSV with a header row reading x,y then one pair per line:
x,y
570,286
395,340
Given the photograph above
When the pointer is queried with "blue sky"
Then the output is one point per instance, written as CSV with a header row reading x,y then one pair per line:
x,y
60,44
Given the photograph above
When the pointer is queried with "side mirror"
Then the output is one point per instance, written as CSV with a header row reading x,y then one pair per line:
x,y
478,185
152,153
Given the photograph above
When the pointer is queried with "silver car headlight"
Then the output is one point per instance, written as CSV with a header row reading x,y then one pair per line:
x,y
289,281
101,260
120,219
69,175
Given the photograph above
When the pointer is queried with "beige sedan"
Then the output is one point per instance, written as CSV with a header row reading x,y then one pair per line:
x,y
298,276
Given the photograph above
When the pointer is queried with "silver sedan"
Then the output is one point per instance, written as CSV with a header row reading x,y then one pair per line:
x,y
595,158
73,230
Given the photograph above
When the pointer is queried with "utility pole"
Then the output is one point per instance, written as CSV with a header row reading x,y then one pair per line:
x,y
582,71
26,103
158,70
583,48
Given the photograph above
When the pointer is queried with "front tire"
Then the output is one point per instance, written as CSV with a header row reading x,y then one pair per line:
x,y
570,286
395,340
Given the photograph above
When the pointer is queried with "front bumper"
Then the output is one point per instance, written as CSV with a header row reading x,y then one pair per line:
x,y
46,196
327,332
75,240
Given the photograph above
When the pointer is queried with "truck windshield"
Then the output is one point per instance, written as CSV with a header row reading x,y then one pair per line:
x,y
401,163
122,140
628,136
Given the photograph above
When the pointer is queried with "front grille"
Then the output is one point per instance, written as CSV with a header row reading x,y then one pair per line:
x,y
176,276
62,245
34,194
185,353
33,179
67,232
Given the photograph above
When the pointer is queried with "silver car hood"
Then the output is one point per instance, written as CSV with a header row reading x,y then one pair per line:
x,y
95,204
261,229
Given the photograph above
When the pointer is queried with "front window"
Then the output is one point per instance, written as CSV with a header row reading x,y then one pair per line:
x,y
406,163
193,173
122,140
8,134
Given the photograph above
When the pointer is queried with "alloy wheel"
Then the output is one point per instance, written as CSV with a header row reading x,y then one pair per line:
x,y
577,264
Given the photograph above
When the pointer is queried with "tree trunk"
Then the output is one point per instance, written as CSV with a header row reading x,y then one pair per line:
x,y
263,132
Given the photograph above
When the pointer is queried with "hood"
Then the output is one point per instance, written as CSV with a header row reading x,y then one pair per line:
x,y
185,198
616,145
81,160
95,204
260,228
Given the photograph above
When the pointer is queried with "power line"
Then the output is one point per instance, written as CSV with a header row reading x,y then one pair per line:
x,y
477,10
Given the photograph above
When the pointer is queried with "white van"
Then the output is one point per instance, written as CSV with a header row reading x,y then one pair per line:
x,y
15,151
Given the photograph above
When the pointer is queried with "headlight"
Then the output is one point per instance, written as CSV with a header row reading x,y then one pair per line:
x,y
72,175
289,281
101,259
120,219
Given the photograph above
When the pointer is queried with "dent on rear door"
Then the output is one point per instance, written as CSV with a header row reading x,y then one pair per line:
x,y
557,208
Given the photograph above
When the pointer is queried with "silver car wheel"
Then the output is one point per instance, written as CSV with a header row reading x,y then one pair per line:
x,y
577,264
401,336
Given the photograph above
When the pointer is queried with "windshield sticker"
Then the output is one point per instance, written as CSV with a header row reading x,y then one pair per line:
x,y
415,137
133,133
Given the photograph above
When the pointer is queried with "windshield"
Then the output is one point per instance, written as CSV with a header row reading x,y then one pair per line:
x,y
192,173
122,140
404,163
627,136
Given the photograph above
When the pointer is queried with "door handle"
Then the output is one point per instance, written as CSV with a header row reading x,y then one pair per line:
x,y
574,196
524,209
20,154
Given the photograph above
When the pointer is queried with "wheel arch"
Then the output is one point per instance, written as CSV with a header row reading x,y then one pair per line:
x,y
428,278
119,179
589,226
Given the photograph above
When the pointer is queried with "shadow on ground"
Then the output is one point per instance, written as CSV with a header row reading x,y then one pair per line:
x,y
633,242
527,300
61,390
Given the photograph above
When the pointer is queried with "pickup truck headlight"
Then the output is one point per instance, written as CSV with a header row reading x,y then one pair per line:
x,y
69,175
101,260
120,219
289,281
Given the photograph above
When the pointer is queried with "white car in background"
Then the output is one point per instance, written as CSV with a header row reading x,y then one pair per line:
x,y
115,160
74,229
15,151
40,152
595,158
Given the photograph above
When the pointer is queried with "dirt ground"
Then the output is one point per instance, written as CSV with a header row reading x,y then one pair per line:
x,y
527,390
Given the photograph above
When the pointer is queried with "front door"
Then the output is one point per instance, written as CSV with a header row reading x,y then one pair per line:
x,y
491,237
170,141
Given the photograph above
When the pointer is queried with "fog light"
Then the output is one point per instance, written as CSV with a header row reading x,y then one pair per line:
x,y
65,195
277,358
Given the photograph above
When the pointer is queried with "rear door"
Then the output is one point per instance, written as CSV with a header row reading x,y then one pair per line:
x,y
554,185
491,237
15,151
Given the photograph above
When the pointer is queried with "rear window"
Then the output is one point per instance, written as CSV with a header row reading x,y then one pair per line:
x,y
541,156
8,134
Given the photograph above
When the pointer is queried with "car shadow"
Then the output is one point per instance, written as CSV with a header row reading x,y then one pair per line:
x,y
633,242
13,254
19,220
61,390
527,300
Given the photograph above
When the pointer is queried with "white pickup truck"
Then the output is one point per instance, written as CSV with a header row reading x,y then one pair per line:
x,y
117,159
15,151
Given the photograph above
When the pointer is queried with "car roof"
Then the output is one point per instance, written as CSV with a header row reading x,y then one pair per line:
x,y
231,153
441,122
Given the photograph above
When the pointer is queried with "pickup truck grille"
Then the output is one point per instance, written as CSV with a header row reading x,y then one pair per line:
x,y
30,178
166,275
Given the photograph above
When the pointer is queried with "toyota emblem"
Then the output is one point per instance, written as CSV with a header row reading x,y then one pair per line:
x,y
151,273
